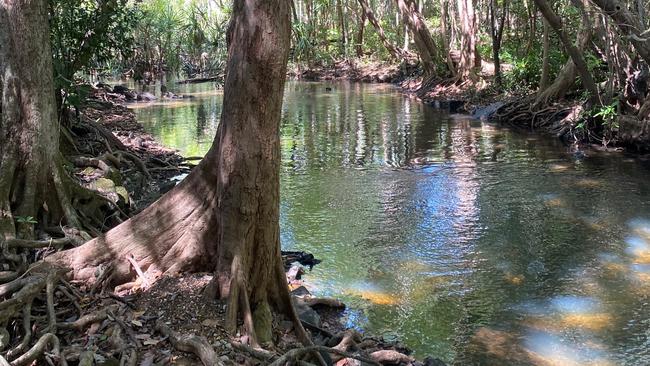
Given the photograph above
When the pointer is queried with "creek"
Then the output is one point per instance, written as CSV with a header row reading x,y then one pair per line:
x,y
466,241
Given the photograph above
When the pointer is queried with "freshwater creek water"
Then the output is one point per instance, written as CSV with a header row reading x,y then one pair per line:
x,y
466,241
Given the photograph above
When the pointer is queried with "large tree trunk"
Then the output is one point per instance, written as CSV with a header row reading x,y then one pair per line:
x,y
31,171
225,214
576,56
394,51
421,36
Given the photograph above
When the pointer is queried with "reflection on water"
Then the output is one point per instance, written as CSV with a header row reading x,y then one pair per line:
x,y
469,242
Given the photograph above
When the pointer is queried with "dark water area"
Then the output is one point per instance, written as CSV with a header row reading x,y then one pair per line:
x,y
466,241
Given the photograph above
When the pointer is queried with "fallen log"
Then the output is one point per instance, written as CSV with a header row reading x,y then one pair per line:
x,y
200,80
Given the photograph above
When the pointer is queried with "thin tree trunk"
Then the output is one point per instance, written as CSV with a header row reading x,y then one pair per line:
x,y
359,38
546,65
496,32
446,41
567,75
424,43
341,26
394,51
576,56
640,8
406,38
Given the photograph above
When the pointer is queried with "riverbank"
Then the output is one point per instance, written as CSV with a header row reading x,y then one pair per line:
x,y
401,289
130,324
572,120
354,70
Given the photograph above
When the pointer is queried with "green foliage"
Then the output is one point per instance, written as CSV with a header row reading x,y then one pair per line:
x,y
87,33
175,35
525,73
26,220
76,94
527,69
607,114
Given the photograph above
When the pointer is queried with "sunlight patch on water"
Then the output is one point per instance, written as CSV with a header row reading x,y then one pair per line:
x,y
514,279
588,183
373,294
167,104
559,167
553,350
567,312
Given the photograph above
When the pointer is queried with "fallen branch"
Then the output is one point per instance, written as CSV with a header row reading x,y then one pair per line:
x,y
126,328
349,338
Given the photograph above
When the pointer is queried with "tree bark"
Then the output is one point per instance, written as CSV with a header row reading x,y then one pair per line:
x,y
567,75
629,24
359,38
496,32
468,33
446,41
576,56
394,51
546,64
225,215
424,43
341,26
31,169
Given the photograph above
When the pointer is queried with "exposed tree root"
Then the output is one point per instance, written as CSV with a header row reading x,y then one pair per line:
x,y
295,354
522,113
192,344
87,319
391,357
38,350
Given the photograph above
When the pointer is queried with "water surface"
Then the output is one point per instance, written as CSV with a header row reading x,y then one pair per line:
x,y
466,241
